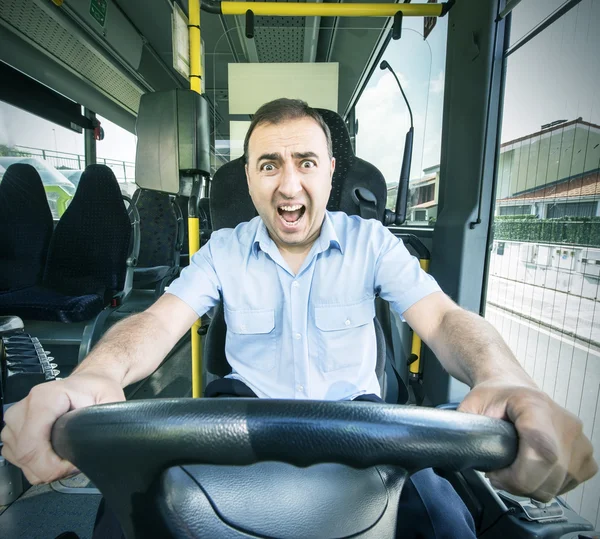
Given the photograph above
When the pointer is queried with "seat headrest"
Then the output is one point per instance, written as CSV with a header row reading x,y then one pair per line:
x,y
98,182
21,183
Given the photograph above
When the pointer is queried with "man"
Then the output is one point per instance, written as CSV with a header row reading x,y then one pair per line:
x,y
298,286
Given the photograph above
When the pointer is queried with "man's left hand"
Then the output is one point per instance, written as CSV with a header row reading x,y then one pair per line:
x,y
554,454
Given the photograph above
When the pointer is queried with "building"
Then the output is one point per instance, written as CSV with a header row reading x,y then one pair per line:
x,y
552,173
423,197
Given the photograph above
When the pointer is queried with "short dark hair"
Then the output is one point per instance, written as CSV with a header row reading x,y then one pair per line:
x,y
279,110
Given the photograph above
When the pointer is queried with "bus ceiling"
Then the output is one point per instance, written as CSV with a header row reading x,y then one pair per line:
x,y
106,62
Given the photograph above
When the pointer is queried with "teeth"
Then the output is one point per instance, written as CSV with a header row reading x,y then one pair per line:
x,y
291,208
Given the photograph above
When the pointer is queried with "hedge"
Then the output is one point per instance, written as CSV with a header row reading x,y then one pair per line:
x,y
583,231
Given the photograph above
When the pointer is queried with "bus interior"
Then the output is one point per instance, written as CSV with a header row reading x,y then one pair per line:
x,y
471,129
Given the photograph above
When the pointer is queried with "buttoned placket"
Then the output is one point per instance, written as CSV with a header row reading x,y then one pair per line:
x,y
299,340
298,287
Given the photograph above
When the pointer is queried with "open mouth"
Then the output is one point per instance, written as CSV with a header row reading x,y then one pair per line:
x,y
291,215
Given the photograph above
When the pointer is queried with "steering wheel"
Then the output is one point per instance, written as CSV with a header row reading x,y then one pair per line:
x,y
124,447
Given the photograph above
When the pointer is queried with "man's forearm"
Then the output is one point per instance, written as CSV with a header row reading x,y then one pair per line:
x,y
131,350
472,351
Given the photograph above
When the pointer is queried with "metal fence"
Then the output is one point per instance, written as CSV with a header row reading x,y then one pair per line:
x,y
124,170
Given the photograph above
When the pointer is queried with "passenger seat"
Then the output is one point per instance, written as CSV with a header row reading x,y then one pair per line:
x,y
161,240
87,258
26,227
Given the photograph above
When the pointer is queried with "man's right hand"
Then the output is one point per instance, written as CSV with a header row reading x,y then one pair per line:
x,y
26,436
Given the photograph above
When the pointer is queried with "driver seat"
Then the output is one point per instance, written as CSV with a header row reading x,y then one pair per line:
x,y
358,188
273,499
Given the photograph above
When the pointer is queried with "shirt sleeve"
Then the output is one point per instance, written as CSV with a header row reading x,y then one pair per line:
x,y
399,278
198,284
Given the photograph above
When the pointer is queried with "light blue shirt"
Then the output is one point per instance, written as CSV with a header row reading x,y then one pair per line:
x,y
309,335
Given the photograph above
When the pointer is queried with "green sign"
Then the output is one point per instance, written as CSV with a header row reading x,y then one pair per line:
x,y
98,11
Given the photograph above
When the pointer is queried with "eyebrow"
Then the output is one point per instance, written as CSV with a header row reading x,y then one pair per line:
x,y
269,157
295,155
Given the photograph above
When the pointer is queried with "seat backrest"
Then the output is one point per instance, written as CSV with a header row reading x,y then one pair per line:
x,y
230,202
89,248
158,229
26,225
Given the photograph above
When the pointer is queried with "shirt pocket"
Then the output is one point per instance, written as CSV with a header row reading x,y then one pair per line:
x,y
251,338
342,331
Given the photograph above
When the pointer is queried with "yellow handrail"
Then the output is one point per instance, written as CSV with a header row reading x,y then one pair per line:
x,y
317,9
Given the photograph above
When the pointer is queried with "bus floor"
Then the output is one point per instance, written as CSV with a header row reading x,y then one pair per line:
x,y
43,513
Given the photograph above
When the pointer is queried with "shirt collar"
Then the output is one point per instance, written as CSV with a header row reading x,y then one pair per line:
x,y
326,240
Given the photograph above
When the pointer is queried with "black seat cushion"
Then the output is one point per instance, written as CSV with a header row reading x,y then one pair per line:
x,y
26,225
158,228
40,303
273,499
89,247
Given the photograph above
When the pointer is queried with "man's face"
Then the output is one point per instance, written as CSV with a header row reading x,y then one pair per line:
x,y
289,177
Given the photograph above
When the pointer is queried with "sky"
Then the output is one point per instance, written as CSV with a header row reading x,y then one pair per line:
x,y
555,76
383,117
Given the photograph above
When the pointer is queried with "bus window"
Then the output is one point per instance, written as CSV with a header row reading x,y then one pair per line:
x,y
52,150
117,151
543,283
382,117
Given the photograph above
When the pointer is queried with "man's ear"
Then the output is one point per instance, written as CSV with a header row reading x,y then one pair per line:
x,y
332,166
247,175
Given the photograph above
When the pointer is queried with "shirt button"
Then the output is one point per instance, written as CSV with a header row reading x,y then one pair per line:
x,y
300,388
347,322
297,336
243,327
295,284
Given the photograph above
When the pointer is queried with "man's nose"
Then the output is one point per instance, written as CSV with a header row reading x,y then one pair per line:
x,y
291,182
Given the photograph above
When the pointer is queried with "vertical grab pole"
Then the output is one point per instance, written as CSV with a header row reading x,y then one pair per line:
x,y
193,220
414,367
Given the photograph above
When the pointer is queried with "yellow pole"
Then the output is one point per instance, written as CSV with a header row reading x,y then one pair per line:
x,y
194,222
415,367
194,243
195,47
318,9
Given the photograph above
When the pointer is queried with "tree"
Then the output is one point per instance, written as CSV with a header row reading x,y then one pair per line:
x,y
9,151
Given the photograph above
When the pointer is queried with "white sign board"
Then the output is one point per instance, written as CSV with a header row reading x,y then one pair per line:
x,y
252,85
181,41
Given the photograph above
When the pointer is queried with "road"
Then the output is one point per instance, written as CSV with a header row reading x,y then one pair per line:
x,y
569,371
570,313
